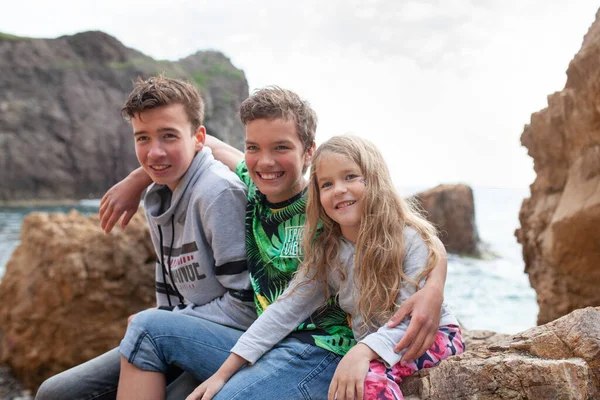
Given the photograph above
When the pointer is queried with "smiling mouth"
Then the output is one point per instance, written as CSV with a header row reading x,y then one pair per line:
x,y
345,204
159,167
269,175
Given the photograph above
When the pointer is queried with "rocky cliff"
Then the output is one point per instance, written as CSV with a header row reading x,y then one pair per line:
x,y
61,134
560,222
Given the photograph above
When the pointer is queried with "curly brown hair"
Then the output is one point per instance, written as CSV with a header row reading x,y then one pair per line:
x,y
161,91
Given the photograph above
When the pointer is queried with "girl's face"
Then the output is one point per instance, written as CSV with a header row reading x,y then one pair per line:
x,y
341,192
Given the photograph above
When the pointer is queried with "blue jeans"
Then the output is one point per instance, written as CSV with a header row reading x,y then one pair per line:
x,y
292,370
98,378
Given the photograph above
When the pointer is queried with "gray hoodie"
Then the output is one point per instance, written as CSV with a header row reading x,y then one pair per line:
x,y
198,232
281,317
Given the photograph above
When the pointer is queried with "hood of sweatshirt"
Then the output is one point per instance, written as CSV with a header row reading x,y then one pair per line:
x,y
180,198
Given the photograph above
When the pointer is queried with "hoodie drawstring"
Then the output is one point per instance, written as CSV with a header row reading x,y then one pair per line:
x,y
162,264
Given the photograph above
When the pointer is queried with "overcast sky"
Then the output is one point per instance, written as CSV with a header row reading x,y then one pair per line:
x,y
444,88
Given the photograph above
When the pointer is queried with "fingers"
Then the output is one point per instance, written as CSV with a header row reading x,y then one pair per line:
x,y
110,220
403,311
128,215
197,394
360,386
418,330
103,206
405,341
349,392
332,389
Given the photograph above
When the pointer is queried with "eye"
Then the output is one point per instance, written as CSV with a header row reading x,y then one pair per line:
x,y
141,138
282,148
325,185
251,147
350,177
170,136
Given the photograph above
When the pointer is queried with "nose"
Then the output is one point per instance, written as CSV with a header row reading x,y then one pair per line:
x,y
266,161
340,189
156,151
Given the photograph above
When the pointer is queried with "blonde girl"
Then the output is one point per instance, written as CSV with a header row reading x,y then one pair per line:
x,y
371,248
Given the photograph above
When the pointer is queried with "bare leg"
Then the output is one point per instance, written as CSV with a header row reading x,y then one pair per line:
x,y
135,383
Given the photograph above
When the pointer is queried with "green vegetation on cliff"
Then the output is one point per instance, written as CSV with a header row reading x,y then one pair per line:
x,y
10,37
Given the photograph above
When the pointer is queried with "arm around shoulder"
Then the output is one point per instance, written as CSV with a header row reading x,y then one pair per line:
x,y
123,199
224,152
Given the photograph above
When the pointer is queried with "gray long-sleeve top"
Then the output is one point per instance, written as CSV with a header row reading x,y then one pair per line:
x,y
281,317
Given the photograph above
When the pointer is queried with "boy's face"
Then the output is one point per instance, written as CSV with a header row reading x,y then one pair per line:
x,y
164,144
275,158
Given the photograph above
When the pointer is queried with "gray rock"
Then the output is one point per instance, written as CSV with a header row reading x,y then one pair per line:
x,y
61,133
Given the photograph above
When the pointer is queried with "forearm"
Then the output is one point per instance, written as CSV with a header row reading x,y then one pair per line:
x,y
232,365
437,277
224,152
139,179
279,319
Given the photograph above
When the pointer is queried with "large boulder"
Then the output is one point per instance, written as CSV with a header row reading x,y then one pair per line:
x,y
451,208
68,290
560,221
61,132
559,361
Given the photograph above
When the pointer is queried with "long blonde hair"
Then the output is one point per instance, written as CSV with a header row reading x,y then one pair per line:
x,y
380,249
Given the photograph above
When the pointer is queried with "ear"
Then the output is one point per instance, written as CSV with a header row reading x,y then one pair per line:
x,y
199,138
308,155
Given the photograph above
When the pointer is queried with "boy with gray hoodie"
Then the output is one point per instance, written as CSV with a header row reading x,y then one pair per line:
x,y
195,209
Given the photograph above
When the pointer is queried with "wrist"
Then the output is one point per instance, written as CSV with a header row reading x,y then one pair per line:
x,y
365,351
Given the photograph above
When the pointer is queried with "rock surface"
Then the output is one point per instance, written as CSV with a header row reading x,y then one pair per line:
x,y
559,361
61,133
452,209
560,222
68,290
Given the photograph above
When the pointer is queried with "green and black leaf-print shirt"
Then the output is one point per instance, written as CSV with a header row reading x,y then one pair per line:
x,y
274,251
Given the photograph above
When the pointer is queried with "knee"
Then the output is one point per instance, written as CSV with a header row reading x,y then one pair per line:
x,y
148,319
50,390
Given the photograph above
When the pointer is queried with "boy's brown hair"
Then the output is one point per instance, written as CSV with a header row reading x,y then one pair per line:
x,y
161,91
273,102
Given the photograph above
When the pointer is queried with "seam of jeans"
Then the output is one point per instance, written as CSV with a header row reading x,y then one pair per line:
x,y
303,384
136,347
98,396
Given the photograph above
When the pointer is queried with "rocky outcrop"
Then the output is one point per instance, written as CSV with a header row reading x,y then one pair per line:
x,y
451,209
560,360
560,221
68,290
61,133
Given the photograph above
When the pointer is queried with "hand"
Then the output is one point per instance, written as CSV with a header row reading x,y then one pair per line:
x,y
122,198
207,389
425,307
348,382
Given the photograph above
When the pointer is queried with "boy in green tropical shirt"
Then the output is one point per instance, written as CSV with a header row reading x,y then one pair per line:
x,y
280,129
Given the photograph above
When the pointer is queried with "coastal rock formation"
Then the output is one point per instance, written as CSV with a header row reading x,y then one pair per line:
x,y
452,209
560,360
61,133
560,221
68,290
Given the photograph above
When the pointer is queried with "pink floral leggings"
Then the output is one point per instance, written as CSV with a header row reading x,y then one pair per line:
x,y
382,382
